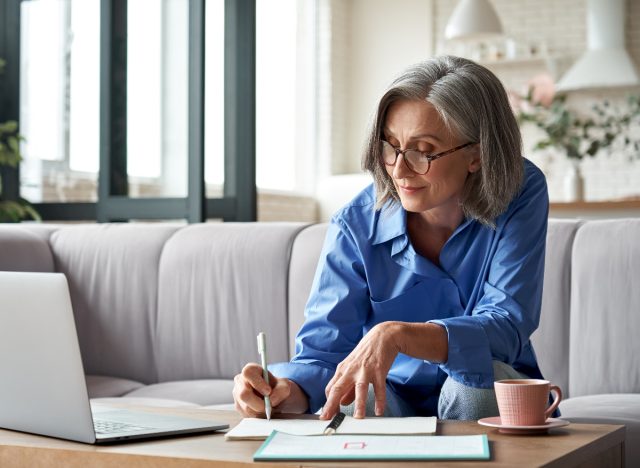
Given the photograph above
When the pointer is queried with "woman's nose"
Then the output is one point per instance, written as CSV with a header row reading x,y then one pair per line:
x,y
400,169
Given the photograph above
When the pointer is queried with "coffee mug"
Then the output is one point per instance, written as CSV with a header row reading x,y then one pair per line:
x,y
524,402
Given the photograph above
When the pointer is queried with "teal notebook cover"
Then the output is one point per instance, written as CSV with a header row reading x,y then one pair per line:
x,y
281,447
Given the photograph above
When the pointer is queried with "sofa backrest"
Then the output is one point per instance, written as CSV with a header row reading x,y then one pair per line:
x,y
112,271
551,339
161,302
155,302
604,352
25,249
304,260
220,284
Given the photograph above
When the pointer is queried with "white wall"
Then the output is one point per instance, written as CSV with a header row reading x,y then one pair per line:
x,y
383,38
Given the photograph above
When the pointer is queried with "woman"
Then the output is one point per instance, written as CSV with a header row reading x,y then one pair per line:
x,y
429,284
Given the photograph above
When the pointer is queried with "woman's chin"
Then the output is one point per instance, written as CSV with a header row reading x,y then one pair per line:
x,y
415,206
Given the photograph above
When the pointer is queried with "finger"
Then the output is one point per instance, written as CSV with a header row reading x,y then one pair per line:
x,y
280,392
272,379
252,374
349,397
337,376
246,396
333,401
245,411
362,390
380,392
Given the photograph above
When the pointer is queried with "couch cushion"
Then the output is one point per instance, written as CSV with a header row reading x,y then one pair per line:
x,y
112,271
100,386
622,408
200,392
551,339
24,249
304,260
219,285
604,352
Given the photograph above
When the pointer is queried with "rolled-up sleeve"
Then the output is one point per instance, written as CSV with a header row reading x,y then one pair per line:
x,y
335,313
508,311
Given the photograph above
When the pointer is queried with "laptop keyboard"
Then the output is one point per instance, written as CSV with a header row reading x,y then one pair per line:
x,y
103,426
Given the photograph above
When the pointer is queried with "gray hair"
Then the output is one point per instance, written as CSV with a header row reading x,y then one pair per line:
x,y
474,106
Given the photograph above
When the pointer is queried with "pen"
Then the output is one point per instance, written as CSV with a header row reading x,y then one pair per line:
x,y
262,349
332,427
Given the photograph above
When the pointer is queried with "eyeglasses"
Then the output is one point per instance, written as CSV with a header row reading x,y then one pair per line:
x,y
416,161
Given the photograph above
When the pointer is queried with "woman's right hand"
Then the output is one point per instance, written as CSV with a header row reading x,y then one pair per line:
x,y
250,389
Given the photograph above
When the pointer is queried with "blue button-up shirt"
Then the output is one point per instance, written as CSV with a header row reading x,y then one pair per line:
x,y
486,292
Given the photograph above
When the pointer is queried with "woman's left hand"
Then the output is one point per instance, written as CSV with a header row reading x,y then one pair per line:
x,y
369,362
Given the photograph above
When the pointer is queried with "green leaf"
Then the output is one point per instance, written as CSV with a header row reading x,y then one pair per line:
x,y
15,211
10,126
594,147
10,211
31,211
542,144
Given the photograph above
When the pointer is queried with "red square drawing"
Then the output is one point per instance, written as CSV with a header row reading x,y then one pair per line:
x,y
354,445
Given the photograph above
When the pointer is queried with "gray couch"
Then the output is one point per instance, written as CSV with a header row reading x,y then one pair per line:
x,y
168,314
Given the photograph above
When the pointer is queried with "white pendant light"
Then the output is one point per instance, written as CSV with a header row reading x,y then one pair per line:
x,y
473,20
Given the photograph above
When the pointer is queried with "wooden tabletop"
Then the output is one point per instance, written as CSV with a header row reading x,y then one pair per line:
x,y
613,205
573,445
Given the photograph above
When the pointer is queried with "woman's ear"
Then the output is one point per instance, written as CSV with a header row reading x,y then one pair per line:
x,y
475,163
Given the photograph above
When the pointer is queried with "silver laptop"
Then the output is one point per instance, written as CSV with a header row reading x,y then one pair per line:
x,y
42,383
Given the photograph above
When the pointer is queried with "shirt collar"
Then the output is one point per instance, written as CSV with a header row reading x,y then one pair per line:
x,y
391,223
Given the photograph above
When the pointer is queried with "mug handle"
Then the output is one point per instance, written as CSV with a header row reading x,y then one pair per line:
x,y
556,401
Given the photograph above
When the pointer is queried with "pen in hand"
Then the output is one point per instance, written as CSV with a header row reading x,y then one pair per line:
x,y
332,427
262,349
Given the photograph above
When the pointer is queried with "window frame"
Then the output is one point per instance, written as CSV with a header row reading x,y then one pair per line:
x,y
239,200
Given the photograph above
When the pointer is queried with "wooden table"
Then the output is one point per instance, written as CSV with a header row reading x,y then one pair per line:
x,y
574,445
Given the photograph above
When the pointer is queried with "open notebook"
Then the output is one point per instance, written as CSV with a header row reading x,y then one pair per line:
x,y
260,429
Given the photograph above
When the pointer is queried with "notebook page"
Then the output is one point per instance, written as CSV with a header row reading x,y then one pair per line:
x,y
257,428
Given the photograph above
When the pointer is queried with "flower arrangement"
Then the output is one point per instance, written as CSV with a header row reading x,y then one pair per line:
x,y
578,135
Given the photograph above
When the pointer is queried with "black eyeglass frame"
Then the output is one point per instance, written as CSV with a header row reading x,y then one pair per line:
x,y
429,157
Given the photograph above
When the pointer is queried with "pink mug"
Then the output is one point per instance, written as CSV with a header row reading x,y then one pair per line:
x,y
524,402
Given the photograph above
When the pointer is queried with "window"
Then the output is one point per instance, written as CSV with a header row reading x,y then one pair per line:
x,y
276,47
214,98
60,116
157,97
78,165
59,99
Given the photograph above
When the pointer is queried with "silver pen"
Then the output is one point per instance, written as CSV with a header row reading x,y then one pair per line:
x,y
262,349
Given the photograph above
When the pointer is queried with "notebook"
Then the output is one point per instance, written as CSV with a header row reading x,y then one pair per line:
x,y
43,387
260,429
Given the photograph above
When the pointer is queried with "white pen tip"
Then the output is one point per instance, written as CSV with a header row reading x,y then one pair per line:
x,y
261,341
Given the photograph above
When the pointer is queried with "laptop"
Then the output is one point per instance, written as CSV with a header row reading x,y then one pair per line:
x,y
43,388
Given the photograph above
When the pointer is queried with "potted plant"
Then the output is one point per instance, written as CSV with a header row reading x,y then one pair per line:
x,y
12,210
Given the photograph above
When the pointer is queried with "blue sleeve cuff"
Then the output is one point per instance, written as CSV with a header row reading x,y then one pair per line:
x,y
312,378
470,361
